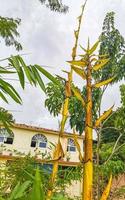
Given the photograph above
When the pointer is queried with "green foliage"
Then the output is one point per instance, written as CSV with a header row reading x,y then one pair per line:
x,y
77,114
23,170
110,132
68,174
22,69
8,31
37,190
112,147
60,197
19,191
6,119
26,191
16,65
55,5
114,167
122,90
55,98
6,88
115,125
120,120
112,44
14,172
31,72
28,179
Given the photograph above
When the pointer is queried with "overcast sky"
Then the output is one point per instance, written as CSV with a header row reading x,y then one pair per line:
x,y
48,37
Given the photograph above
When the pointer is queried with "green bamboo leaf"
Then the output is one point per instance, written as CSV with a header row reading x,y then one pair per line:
x,y
83,49
14,191
20,73
9,89
26,69
4,71
94,47
12,88
38,77
21,190
29,174
16,64
3,97
47,74
11,94
32,75
37,192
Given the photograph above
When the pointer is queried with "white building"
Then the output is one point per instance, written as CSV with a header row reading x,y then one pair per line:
x,y
39,142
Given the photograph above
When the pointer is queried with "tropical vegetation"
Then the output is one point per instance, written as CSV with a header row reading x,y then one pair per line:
x,y
99,66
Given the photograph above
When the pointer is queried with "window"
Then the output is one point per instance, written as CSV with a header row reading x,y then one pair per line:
x,y
71,145
6,137
39,140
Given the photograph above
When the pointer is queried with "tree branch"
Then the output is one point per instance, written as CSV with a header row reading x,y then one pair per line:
x,y
114,149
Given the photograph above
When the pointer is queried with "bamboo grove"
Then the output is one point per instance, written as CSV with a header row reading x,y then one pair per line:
x,y
84,67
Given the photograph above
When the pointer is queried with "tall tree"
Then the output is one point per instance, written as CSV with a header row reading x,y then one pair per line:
x,y
112,45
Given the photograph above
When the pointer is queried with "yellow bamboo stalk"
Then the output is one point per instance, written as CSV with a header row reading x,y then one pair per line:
x,y
107,189
88,163
78,146
57,154
64,115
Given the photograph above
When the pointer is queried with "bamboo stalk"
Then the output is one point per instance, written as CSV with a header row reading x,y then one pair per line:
x,y
68,93
88,162
54,171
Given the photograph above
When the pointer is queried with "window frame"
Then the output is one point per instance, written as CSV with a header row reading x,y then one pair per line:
x,y
39,141
6,136
71,145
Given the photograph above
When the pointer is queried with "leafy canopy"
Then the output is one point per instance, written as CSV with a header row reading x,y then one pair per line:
x,y
9,32
55,5
112,44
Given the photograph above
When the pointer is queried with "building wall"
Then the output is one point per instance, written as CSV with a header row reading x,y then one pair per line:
x,y
22,143
75,189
